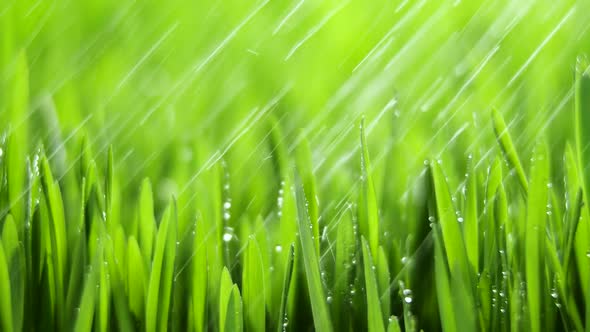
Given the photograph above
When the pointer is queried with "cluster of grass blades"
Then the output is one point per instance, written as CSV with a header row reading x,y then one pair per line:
x,y
506,251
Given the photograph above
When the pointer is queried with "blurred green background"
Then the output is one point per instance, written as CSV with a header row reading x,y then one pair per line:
x,y
177,85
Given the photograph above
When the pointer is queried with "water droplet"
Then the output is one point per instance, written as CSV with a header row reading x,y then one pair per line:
x,y
408,299
460,219
329,299
226,216
1,152
278,248
227,237
227,205
404,260
431,219
554,294
407,292
588,253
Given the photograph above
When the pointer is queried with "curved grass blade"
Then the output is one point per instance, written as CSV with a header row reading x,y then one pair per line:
x,y
505,141
321,317
374,313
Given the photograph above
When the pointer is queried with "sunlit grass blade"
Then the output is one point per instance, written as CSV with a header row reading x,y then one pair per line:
x,y
471,226
383,281
162,273
85,315
234,319
5,300
136,283
282,320
199,278
345,251
56,237
254,287
374,313
535,235
451,231
367,207
225,292
443,287
305,167
393,325
147,223
311,262
505,141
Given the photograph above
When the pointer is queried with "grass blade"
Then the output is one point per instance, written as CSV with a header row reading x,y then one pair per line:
x,y
311,262
505,141
374,313
367,207
535,235
283,320
253,287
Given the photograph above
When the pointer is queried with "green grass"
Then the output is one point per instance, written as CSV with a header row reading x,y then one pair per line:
x,y
291,166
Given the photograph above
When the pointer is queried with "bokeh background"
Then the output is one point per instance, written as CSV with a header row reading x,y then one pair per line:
x,y
177,85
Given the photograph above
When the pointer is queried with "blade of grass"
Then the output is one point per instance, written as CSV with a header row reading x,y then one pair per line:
x,y
535,235
253,287
5,300
374,313
283,320
505,141
367,207
15,258
321,316
199,278
471,231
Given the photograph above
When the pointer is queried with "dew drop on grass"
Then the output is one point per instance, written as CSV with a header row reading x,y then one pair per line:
x,y
227,237
329,299
554,293
460,219
278,248
588,253
226,216
227,205
404,260
408,299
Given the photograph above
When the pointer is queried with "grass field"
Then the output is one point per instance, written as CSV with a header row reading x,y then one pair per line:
x,y
294,165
